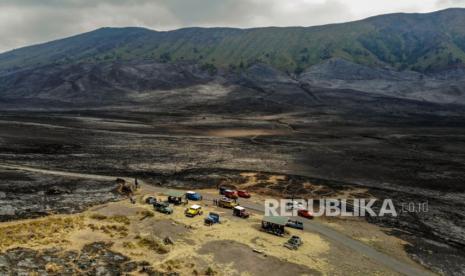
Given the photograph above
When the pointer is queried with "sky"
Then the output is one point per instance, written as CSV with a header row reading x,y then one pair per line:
x,y
26,22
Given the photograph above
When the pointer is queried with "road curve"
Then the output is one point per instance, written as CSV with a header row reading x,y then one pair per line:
x,y
309,226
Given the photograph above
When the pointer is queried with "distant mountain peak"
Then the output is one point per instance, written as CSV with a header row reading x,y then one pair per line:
x,y
419,42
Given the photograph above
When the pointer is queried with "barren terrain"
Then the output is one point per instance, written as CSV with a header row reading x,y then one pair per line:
x,y
293,154
372,109
127,237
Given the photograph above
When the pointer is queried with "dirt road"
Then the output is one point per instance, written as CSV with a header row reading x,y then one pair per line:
x,y
310,226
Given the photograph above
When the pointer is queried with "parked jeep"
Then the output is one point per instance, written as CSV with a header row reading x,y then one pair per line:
x,y
194,210
163,207
212,218
293,243
191,195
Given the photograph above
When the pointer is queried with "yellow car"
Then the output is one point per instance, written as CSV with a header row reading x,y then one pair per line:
x,y
194,210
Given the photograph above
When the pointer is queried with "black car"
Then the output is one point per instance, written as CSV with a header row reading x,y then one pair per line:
x,y
222,189
150,200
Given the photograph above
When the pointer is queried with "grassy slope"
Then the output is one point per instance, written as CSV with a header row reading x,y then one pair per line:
x,y
415,41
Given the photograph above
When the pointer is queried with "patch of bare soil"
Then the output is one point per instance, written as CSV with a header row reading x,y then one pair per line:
x,y
243,259
286,186
117,210
161,228
245,132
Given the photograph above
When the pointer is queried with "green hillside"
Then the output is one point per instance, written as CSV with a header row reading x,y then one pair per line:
x,y
422,42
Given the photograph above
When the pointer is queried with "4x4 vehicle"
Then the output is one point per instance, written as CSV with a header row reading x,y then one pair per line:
x,y
226,203
240,211
191,195
293,243
243,193
212,218
230,194
194,210
163,207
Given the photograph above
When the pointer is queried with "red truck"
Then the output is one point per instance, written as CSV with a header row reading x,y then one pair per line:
x,y
230,194
243,193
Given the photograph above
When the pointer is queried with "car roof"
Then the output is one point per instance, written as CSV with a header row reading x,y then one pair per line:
x,y
239,208
190,192
195,206
225,199
276,220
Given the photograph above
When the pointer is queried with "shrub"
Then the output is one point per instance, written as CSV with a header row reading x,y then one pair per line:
x,y
209,271
147,214
153,245
98,217
129,245
121,219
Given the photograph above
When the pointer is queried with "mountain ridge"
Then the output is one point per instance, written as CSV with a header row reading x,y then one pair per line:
x,y
419,42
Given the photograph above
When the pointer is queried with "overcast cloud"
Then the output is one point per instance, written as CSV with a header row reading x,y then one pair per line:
x,y
24,22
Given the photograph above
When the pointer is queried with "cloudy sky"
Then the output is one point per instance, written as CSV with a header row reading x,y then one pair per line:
x,y
24,22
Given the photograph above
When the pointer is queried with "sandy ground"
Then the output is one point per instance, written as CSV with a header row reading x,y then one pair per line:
x,y
376,237
233,247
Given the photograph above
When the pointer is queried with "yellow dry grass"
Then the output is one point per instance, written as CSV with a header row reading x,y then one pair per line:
x,y
153,244
40,232
140,243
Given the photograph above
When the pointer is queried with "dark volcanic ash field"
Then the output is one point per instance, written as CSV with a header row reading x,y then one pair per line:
x,y
180,150
197,130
